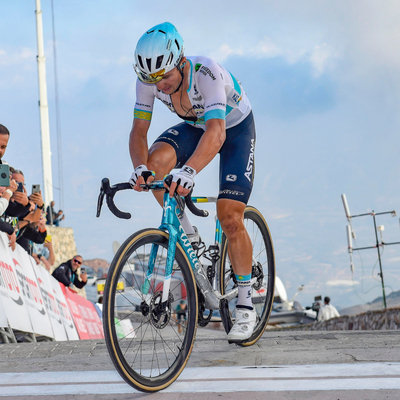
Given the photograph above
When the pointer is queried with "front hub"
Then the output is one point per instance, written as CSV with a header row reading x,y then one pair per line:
x,y
160,313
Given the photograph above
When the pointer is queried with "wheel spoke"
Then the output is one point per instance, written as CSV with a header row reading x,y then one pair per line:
x,y
152,351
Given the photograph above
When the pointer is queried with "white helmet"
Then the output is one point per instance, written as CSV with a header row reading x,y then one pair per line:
x,y
158,51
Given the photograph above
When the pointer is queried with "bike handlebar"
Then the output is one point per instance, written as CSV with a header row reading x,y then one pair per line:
x,y
110,191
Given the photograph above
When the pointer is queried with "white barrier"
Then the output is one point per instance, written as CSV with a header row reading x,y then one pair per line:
x,y
30,297
10,292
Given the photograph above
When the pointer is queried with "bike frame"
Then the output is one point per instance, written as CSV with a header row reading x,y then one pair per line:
x,y
170,223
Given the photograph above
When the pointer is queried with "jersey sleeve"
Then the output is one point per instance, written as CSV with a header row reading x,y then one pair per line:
x,y
212,86
144,101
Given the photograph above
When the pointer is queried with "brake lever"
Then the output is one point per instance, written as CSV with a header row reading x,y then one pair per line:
x,y
100,202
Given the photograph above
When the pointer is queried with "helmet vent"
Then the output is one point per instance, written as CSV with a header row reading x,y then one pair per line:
x,y
140,62
171,56
159,61
150,31
177,44
148,62
162,31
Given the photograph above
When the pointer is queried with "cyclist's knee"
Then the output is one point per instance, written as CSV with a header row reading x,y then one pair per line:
x,y
230,215
162,159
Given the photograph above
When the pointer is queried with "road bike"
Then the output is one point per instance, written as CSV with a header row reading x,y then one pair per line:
x,y
155,269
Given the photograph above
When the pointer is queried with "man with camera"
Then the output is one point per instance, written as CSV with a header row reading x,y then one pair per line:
x,y
7,187
25,212
67,273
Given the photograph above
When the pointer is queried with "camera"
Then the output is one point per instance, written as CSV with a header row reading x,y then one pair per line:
x,y
83,270
35,189
20,187
4,175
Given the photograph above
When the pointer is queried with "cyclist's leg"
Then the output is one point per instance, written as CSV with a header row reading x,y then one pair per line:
x,y
231,217
236,180
171,150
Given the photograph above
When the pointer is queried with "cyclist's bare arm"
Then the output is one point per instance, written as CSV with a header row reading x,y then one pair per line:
x,y
138,147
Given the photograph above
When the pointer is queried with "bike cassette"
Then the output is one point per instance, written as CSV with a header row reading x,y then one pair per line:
x,y
259,274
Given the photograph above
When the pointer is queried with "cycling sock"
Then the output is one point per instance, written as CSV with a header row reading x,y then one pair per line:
x,y
244,292
186,225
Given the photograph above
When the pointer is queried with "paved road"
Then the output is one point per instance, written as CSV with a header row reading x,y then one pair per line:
x,y
287,365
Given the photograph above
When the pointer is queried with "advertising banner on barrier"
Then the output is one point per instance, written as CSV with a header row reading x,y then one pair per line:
x,y
10,291
50,302
31,292
76,315
3,316
68,320
92,319
86,319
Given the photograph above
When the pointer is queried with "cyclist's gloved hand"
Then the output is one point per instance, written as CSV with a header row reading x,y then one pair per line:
x,y
140,171
184,178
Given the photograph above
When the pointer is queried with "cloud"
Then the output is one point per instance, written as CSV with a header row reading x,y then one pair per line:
x,y
17,57
279,216
342,282
320,58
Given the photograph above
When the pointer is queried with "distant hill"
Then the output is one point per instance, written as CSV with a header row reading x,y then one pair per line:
x,y
97,263
392,301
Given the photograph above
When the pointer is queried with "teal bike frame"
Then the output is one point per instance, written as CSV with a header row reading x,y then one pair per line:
x,y
170,223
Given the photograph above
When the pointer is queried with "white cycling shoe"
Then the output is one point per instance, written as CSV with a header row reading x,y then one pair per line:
x,y
244,325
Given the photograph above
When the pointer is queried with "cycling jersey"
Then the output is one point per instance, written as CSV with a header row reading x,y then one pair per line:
x,y
213,93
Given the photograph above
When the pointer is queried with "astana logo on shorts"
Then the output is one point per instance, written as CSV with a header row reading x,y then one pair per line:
x,y
231,178
173,131
250,162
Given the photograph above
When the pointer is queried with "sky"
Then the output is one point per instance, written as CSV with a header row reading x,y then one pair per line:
x,y
323,78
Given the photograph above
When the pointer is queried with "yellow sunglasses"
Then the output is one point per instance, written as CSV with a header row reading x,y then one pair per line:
x,y
151,78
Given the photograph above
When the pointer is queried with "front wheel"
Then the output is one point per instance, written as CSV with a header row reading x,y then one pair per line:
x,y
145,343
263,269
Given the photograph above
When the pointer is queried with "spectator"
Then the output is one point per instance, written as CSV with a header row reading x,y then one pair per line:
x,y
67,273
100,303
6,193
327,311
4,137
44,252
181,311
99,307
24,213
54,218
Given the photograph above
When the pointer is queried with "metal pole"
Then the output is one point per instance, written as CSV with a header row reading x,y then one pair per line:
x,y
380,262
44,110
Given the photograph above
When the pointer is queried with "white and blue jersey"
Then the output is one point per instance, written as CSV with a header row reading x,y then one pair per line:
x,y
213,93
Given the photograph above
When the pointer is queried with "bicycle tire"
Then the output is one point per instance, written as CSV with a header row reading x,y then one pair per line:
x,y
262,291
156,355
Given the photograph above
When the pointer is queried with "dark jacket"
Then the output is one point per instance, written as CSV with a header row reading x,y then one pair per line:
x,y
28,233
6,227
64,274
16,209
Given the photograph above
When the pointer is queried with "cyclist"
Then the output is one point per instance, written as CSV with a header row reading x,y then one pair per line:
x,y
217,119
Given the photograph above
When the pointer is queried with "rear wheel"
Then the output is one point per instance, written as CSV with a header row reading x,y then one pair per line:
x,y
146,345
262,292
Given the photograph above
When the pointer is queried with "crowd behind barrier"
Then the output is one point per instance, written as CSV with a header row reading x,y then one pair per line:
x,y
32,301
